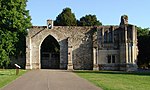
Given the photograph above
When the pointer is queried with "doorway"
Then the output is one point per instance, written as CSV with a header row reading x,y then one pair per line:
x,y
50,53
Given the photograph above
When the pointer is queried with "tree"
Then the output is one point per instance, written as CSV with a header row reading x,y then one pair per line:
x,y
144,47
89,20
14,22
142,31
65,18
7,41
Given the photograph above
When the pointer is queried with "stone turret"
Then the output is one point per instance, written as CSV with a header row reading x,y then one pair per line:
x,y
124,20
128,45
50,24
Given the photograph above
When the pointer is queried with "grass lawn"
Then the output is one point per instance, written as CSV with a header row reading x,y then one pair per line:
x,y
8,75
113,80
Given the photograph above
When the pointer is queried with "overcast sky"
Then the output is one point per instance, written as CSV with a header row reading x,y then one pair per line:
x,y
107,11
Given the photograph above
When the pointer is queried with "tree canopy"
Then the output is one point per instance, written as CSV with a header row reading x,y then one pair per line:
x,y
14,22
143,46
142,31
89,20
66,18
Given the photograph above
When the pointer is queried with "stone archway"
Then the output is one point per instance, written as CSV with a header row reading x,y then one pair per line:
x,y
50,53
34,40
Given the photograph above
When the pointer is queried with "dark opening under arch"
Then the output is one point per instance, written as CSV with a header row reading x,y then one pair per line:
x,y
50,53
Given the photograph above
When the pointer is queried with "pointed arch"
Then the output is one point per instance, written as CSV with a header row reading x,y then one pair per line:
x,y
50,53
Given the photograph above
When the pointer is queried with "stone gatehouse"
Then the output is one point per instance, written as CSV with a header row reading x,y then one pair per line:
x,y
82,47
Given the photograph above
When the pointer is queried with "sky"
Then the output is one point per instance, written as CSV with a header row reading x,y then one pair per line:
x,y
107,11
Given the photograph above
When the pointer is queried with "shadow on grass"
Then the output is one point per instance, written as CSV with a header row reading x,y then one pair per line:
x,y
2,74
7,72
116,72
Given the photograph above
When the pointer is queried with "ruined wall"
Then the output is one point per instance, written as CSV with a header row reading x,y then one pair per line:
x,y
106,47
117,47
81,42
79,38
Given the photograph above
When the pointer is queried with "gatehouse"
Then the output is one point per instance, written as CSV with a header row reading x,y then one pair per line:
x,y
82,47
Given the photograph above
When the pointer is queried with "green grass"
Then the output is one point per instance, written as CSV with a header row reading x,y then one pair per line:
x,y
111,80
8,75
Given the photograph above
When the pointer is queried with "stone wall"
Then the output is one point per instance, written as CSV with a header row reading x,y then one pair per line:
x,y
79,38
118,43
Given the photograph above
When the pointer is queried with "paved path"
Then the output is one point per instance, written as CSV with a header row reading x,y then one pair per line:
x,y
50,80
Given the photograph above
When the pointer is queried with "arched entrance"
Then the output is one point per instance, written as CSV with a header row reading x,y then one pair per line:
x,y
50,53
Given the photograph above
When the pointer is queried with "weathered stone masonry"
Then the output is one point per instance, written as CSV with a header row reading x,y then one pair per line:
x,y
87,48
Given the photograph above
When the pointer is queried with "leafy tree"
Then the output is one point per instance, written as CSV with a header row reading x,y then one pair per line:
x,y
142,31
7,41
89,20
144,47
14,21
65,18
